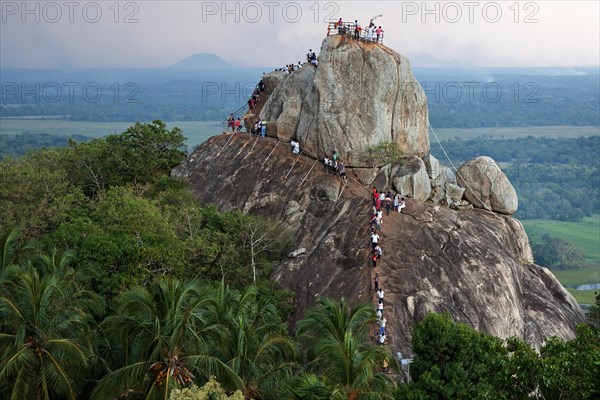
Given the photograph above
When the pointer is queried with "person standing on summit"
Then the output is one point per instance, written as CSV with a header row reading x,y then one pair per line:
x,y
356,29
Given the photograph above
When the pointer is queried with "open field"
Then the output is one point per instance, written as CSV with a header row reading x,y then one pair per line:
x,y
578,276
196,131
583,296
513,133
584,234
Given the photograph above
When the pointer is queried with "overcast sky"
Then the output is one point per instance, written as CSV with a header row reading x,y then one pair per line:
x,y
271,33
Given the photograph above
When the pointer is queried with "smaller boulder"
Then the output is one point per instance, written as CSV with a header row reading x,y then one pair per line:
x,y
291,207
272,79
454,194
297,252
438,194
486,186
433,166
411,179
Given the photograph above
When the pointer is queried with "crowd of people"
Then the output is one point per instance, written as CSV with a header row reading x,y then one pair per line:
x,y
381,201
311,58
371,33
233,123
335,166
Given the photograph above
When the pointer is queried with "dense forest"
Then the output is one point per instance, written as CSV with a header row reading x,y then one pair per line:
x,y
19,145
499,100
555,178
116,284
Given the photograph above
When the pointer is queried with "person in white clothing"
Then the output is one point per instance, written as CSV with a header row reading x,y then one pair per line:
x,y
401,205
374,238
382,326
380,293
295,146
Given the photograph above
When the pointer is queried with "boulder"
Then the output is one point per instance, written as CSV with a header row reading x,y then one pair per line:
x,y
444,177
361,94
283,107
438,194
433,166
486,186
454,194
410,179
272,80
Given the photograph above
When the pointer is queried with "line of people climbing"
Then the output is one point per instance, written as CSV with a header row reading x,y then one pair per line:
x,y
335,166
379,201
311,58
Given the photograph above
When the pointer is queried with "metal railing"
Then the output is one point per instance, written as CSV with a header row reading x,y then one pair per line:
x,y
240,112
348,29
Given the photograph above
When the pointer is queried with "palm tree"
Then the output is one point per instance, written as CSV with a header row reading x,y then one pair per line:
x,y
46,334
257,348
12,253
166,333
8,242
340,354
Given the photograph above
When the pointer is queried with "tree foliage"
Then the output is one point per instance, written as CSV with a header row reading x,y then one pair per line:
x,y
453,361
335,337
553,252
47,339
381,154
555,178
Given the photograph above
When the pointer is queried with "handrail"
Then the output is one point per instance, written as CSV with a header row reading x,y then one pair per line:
x,y
333,29
239,112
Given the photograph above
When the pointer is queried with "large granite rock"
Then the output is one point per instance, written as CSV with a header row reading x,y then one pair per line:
x,y
272,80
476,265
362,94
282,109
487,186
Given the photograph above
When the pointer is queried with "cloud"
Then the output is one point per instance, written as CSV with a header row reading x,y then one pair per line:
x,y
160,33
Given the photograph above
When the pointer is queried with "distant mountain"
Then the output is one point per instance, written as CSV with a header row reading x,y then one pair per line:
x,y
202,61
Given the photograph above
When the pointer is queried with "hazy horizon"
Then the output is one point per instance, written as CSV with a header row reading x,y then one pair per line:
x,y
433,34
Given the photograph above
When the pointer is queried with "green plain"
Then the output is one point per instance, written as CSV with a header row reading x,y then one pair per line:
x,y
584,234
514,133
578,276
584,296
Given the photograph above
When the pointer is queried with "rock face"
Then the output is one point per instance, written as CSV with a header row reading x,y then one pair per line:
x,y
361,94
475,264
282,109
410,179
487,186
272,80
